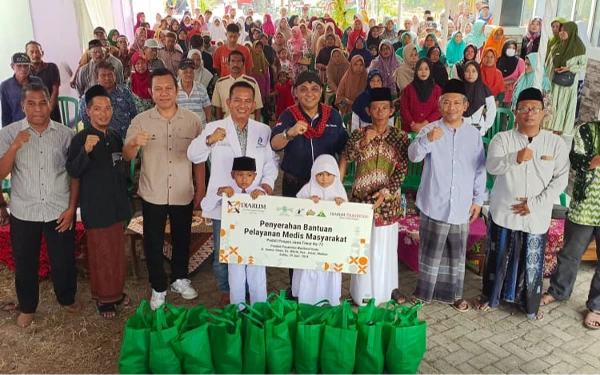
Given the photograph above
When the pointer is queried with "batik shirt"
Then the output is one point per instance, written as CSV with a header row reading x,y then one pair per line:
x,y
382,165
586,190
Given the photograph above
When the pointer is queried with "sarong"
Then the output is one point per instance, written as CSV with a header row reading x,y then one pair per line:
x,y
442,253
106,253
514,267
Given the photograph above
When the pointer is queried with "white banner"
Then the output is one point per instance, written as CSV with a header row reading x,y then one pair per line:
x,y
296,233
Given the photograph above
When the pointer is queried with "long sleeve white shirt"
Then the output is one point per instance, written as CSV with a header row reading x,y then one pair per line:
x,y
541,180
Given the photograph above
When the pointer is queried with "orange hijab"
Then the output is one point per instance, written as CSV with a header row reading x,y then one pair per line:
x,y
491,43
490,75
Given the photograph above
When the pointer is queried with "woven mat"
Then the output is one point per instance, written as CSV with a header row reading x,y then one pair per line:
x,y
201,242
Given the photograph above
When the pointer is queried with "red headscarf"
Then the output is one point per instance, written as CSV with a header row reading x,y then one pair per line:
x,y
140,82
139,21
490,75
268,26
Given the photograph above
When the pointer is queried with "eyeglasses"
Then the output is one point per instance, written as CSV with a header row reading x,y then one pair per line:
x,y
526,110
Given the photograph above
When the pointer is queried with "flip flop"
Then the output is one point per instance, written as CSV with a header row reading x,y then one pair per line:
x,y
589,320
414,300
544,301
478,302
104,309
124,301
456,305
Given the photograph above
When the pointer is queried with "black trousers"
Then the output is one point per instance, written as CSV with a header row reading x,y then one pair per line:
x,y
289,188
155,220
26,238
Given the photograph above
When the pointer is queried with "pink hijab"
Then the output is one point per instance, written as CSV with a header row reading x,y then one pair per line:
x,y
296,44
268,26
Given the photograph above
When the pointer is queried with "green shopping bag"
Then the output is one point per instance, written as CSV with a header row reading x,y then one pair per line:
x,y
193,344
254,351
286,308
309,336
225,333
338,350
136,341
407,341
374,327
168,322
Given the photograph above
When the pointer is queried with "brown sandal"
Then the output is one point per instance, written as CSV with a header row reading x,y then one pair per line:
x,y
397,296
461,305
547,299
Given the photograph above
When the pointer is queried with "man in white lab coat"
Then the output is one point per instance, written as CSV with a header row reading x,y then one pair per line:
x,y
222,141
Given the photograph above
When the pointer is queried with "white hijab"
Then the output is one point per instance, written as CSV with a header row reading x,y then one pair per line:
x,y
324,163
217,32
201,75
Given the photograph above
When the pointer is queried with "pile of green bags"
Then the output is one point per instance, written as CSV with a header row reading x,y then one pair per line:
x,y
274,337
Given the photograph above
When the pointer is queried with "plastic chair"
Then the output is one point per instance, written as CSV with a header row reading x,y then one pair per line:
x,y
351,167
497,127
415,170
64,103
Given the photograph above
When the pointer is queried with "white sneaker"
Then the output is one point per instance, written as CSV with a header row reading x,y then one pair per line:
x,y
184,287
158,299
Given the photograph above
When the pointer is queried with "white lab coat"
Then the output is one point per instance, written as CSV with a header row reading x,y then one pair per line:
x,y
222,153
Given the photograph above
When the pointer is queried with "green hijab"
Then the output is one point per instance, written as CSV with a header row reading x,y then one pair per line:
x,y
109,37
526,80
565,50
454,51
554,39
476,36
400,51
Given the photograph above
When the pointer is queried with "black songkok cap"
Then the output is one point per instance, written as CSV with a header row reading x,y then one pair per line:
x,y
309,77
94,43
455,86
380,94
244,163
95,91
531,94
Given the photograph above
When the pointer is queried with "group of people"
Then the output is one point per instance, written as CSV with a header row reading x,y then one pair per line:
x,y
179,101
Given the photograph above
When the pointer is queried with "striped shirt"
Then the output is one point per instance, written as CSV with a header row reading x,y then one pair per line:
x,y
86,77
39,179
196,101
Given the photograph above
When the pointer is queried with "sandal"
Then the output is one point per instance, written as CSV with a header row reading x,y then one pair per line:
x,y
107,310
398,298
592,320
481,305
461,302
24,320
124,301
414,300
547,299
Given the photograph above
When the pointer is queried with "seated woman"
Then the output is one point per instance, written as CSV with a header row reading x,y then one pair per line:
x,y
481,111
490,75
360,49
455,49
387,63
360,117
439,70
405,73
429,42
527,80
458,70
419,104
352,84
511,66
406,39
337,67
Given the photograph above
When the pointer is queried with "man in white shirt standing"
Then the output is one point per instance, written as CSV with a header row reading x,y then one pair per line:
x,y
532,169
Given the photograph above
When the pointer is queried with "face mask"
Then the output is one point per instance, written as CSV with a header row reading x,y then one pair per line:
x,y
511,52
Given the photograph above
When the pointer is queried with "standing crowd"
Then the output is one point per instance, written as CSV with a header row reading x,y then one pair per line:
x,y
192,98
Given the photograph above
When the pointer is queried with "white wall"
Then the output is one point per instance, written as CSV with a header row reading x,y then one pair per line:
x,y
16,31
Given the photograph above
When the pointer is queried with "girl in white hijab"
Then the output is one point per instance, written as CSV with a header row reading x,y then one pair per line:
x,y
325,184
217,30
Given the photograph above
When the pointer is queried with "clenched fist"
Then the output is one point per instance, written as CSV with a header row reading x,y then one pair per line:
x,y
297,129
91,141
218,135
370,134
141,139
435,134
525,154
21,138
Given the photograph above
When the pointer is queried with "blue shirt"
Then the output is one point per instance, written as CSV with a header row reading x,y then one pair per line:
x,y
301,152
10,97
123,106
453,173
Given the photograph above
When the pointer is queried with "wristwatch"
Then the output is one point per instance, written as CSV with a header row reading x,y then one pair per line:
x,y
285,135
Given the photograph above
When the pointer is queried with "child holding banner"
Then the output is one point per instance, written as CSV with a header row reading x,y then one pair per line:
x,y
325,184
243,173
